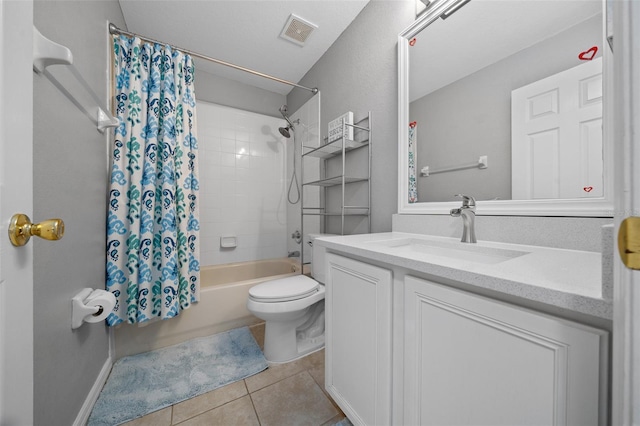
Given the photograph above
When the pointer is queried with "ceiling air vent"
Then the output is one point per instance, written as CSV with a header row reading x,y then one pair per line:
x,y
297,30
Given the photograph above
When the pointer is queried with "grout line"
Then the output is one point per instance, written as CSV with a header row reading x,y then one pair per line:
x,y
326,394
211,409
338,409
250,394
254,407
215,408
306,368
329,398
278,381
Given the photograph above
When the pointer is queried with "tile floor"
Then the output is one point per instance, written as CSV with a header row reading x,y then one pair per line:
x,y
283,394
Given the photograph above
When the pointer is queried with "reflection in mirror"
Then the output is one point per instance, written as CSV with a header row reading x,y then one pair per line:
x,y
506,101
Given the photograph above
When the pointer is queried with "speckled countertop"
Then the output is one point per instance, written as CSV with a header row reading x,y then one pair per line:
x,y
568,279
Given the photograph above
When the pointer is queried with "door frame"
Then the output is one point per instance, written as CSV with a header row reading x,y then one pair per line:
x,y
626,303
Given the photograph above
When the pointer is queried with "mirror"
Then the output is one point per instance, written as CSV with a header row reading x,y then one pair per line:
x,y
507,101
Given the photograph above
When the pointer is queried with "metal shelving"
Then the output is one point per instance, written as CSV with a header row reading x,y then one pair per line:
x,y
340,147
333,149
336,180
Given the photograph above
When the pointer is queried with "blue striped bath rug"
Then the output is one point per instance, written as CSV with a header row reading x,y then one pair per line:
x,y
141,384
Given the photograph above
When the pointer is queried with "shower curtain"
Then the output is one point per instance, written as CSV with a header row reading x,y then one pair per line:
x,y
153,250
413,189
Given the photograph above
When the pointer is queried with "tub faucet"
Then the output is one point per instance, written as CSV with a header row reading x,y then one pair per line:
x,y
468,213
293,254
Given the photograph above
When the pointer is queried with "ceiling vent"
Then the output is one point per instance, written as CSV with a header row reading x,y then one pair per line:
x,y
297,30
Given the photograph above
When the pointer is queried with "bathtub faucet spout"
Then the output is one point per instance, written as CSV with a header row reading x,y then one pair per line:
x,y
293,254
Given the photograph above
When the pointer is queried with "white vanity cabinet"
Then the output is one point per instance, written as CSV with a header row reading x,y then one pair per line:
x,y
469,360
407,351
358,349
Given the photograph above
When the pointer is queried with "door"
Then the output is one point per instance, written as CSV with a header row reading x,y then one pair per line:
x,y
626,321
557,135
16,271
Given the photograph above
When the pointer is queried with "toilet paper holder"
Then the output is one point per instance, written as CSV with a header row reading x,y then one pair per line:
x,y
80,311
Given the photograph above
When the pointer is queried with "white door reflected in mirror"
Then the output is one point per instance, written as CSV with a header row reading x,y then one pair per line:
x,y
556,135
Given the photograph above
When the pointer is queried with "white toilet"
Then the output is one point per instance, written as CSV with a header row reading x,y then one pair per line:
x,y
293,311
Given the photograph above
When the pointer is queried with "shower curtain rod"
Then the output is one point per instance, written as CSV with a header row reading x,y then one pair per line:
x,y
115,30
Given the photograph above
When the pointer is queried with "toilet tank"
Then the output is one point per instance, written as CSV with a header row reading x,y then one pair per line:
x,y
318,257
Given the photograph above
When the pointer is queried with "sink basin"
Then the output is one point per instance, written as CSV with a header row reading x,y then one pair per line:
x,y
444,249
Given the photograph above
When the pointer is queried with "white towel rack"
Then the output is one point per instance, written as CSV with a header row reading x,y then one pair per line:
x,y
482,163
46,53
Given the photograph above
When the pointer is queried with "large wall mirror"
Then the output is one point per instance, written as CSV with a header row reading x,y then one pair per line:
x,y
506,101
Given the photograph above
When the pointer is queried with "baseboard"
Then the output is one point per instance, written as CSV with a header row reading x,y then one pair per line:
x,y
85,411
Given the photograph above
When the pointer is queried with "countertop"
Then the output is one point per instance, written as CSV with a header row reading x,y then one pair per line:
x,y
568,279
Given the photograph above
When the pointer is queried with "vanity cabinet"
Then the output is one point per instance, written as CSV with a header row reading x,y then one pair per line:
x,y
358,349
472,360
459,358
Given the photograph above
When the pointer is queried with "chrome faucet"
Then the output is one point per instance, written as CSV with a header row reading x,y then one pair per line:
x,y
468,213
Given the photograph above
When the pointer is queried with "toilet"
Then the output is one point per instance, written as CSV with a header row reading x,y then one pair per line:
x,y
293,311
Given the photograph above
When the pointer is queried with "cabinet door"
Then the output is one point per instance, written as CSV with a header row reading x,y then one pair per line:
x,y
470,360
358,339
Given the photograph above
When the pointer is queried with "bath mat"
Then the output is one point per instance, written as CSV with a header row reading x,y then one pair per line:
x,y
141,384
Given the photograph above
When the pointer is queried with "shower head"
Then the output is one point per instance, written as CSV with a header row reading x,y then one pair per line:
x,y
284,131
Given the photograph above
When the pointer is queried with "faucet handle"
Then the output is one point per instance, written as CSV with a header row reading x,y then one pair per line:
x,y
467,200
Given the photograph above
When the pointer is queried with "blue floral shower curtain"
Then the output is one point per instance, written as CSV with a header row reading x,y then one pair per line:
x,y
152,230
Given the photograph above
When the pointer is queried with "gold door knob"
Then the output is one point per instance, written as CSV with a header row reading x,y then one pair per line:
x,y
629,242
21,229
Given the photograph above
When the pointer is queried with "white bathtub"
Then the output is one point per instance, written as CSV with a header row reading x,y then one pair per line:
x,y
223,306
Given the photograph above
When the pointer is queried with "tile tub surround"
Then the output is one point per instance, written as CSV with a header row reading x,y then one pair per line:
x,y
242,185
264,399
566,279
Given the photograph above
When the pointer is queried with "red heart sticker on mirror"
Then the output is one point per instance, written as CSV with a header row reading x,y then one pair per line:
x,y
588,188
588,54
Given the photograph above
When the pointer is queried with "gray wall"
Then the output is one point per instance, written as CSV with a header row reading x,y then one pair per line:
x,y
70,182
472,116
359,73
223,91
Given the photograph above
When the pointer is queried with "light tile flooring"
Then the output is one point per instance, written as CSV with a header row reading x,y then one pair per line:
x,y
283,394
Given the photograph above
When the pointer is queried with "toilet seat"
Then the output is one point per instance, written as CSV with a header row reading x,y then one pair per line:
x,y
284,289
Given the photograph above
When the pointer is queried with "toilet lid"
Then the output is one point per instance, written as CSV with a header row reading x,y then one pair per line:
x,y
284,289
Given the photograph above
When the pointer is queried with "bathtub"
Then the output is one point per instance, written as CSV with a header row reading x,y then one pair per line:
x,y
223,306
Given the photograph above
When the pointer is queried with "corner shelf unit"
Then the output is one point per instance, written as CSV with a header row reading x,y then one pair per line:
x,y
339,148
